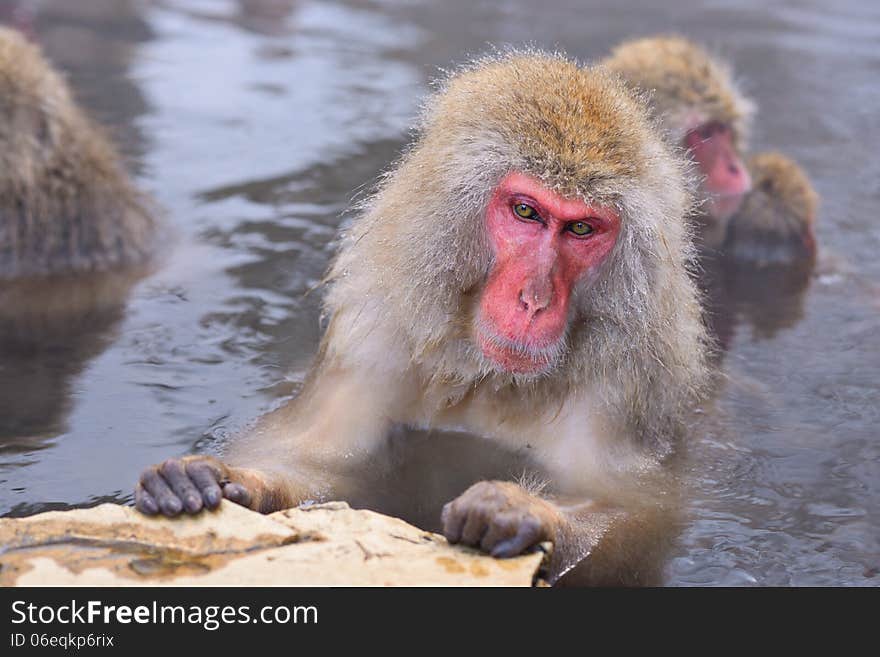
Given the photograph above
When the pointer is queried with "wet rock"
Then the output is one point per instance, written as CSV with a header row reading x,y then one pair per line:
x,y
326,544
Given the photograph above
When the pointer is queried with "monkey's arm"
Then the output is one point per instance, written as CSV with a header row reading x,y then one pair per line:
x,y
308,449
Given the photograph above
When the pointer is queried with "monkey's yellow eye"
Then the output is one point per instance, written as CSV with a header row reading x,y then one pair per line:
x,y
525,211
580,228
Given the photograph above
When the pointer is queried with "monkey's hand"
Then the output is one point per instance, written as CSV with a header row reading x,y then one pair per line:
x,y
190,484
501,518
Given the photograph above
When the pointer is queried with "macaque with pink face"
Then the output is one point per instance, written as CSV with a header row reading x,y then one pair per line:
x,y
522,275
694,97
696,100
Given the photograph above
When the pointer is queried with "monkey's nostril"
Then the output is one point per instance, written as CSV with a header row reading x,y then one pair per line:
x,y
522,302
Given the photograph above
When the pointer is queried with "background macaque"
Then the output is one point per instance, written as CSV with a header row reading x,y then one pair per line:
x,y
69,216
697,101
774,226
521,275
75,235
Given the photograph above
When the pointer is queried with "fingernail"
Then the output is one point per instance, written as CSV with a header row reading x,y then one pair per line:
x,y
501,550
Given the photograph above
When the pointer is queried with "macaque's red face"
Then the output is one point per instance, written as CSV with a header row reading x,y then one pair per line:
x,y
726,179
543,245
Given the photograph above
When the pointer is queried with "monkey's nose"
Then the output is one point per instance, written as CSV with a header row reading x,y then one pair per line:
x,y
533,300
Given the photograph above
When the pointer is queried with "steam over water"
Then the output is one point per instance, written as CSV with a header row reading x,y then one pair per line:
x,y
254,130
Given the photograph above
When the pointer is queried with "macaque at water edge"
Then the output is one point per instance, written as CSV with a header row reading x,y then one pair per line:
x,y
523,275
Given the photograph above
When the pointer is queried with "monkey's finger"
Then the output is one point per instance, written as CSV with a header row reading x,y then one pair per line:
x,y
453,522
144,502
205,478
173,472
529,534
155,485
501,529
475,527
238,494
445,513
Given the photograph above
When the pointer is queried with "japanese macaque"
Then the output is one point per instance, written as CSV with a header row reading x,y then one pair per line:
x,y
696,100
74,232
75,236
521,275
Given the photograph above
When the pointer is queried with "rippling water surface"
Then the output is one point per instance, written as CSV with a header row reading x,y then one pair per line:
x,y
255,123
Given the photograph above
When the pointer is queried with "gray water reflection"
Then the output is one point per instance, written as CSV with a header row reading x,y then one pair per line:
x,y
254,123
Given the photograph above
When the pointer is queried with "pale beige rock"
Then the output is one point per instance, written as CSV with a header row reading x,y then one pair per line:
x,y
328,544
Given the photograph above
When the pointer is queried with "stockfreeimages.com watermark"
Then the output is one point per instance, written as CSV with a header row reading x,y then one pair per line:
x,y
210,617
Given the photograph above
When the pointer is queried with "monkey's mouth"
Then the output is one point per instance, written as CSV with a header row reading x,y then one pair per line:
x,y
515,357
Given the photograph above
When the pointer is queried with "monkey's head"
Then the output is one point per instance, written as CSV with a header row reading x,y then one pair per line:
x,y
534,235
695,97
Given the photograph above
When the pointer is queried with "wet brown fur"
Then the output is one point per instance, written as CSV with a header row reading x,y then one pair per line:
x,y
782,199
66,204
775,224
